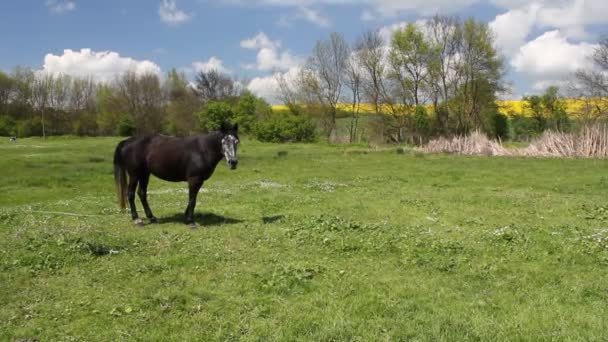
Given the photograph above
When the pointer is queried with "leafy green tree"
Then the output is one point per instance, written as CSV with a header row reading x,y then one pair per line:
x,y
109,109
214,115
250,109
7,89
555,109
409,57
182,103
548,110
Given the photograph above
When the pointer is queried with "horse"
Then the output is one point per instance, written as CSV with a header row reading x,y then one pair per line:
x,y
192,159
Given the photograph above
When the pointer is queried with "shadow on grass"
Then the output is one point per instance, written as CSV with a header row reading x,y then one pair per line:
x,y
204,219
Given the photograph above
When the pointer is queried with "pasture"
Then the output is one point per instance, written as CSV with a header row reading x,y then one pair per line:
x,y
305,242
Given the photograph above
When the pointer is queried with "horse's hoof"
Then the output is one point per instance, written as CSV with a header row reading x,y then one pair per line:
x,y
193,225
153,220
139,222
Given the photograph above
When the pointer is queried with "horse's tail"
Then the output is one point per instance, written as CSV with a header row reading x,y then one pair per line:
x,y
120,176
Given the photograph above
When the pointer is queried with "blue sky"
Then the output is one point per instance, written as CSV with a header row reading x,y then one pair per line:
x,y
542,41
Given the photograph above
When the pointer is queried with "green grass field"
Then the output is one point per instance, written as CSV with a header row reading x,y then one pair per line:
x,y
325,243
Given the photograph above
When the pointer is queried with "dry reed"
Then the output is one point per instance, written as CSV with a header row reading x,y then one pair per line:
x,y
590,142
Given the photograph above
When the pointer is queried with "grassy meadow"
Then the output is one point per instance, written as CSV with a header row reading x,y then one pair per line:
x,y
305,242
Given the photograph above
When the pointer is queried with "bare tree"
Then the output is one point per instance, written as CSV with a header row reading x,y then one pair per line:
x,y
82,94
143,98
592,84
41,92
324,79
7,91
352,80
369,49
214,86
445,35
287,91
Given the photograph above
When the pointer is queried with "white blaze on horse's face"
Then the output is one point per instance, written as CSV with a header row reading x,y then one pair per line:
x,y
229,144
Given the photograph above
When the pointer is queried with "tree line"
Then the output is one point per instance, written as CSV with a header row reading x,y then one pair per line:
x,y
438,78
446,62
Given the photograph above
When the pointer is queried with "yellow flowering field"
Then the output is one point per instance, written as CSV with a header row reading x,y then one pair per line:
x,y
507,107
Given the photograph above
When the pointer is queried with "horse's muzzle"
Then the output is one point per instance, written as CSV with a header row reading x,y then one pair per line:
x,y
232,164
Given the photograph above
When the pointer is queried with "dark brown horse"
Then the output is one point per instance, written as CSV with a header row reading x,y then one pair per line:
x,y
191,159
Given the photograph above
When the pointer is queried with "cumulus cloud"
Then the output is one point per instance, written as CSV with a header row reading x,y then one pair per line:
x,y
571,17
513,27
267,86
213,63
551,58
269,57
104,66
61,6
170,14
260,41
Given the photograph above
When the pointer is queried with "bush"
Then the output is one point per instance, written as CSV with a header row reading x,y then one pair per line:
x,y
500,126
7,126
285,127
28,128
248,110
522,128
214,115
126,126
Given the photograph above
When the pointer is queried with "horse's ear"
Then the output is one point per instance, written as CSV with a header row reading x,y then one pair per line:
x,y
224,127
236,127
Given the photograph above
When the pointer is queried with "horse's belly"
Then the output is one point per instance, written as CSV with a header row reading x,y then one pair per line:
x,y
169,169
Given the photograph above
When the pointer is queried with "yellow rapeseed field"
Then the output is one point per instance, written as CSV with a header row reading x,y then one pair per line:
x,y
507,107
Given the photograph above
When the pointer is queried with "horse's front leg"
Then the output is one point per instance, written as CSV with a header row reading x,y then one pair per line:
x,y
194,185
133,180
142,191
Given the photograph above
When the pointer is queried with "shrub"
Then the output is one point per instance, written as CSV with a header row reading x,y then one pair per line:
x,y
29,127
7,126
422,121
248,110
214,115
522,128
500,126
126,126
285,127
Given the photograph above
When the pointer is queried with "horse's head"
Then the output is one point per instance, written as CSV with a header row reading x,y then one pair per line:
x,y
230,141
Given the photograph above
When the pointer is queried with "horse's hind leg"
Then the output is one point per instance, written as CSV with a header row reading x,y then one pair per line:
x,y
142,191
194,185
133,180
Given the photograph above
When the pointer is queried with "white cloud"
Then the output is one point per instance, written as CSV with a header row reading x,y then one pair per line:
x,y
104,66
60,6
269,57
260,41
307,14
213,63
570,17
170,14
313,16
267,86
513,27
551,58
